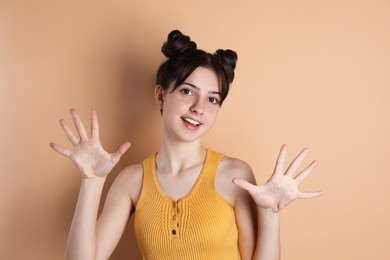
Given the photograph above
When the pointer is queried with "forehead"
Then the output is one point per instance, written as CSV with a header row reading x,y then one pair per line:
x,y
205,79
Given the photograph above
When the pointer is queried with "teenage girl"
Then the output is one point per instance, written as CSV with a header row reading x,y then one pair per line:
x,y
188,201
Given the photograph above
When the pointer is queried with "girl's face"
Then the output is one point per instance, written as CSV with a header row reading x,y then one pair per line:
x,y
192,108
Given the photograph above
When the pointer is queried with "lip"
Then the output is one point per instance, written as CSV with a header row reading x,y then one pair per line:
x,y
190,123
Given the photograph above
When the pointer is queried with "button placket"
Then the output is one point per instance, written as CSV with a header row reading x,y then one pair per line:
x,y
175,220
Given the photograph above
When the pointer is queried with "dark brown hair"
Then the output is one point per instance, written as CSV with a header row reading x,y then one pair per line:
x,y
184,57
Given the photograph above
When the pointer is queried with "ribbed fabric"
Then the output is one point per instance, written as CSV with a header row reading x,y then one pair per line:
x,y
199,226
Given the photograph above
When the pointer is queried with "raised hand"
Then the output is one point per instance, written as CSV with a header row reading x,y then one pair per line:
x,y
87,153
282,188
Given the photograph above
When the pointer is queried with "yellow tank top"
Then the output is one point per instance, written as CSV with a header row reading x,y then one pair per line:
x,y
198,226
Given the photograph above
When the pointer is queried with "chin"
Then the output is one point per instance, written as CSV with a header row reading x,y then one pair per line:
x,y
192,137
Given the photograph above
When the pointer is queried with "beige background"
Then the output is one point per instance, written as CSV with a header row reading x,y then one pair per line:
x,y
310,73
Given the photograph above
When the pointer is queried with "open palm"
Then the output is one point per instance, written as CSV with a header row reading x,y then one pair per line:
x,y
87,153
282,188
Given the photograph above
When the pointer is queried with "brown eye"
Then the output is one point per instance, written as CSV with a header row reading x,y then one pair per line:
x,y
186,91
213,100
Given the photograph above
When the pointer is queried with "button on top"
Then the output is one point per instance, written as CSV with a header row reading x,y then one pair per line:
x,y
174,232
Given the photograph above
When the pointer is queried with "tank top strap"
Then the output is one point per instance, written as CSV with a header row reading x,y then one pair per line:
x,y
211,166
149,165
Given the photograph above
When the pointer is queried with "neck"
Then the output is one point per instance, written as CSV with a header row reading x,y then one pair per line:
x,y
175,156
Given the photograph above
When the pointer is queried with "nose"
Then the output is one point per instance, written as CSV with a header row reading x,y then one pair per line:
x,y
198,107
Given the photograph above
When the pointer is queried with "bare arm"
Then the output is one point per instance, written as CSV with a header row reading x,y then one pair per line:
x,y
120,200
94,164
82,235
268,239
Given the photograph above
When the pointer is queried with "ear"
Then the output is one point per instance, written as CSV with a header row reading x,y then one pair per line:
x,y
159,96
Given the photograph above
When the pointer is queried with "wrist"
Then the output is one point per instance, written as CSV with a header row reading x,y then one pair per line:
x,y
268,211
269,220
88,179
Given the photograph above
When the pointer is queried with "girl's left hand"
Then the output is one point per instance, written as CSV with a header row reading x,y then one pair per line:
x,y
282,188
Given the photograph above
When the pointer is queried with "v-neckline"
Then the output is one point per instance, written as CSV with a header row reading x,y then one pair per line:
x,y
194,187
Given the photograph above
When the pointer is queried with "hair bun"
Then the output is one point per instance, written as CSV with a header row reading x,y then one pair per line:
x,y
177,43
228,59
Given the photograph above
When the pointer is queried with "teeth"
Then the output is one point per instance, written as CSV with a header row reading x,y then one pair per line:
x,y
191,121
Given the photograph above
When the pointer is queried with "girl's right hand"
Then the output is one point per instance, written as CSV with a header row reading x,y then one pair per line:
x,y
87,153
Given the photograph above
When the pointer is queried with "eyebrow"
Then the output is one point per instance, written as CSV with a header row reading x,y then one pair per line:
x,y
198,88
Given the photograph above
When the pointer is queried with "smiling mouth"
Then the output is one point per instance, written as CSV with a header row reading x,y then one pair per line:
x,y
191,121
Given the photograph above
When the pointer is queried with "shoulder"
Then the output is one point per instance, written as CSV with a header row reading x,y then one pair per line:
x,y
236,168
131,173
229,169
130,180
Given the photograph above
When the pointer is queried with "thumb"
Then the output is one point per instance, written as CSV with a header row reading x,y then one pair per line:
x,y
244,184
120,151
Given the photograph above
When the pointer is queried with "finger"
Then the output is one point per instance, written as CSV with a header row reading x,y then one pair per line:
x,y
120,151
309,195
306,172
79,125
297,162
60,150
280,161
94,125
73,139
244,184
